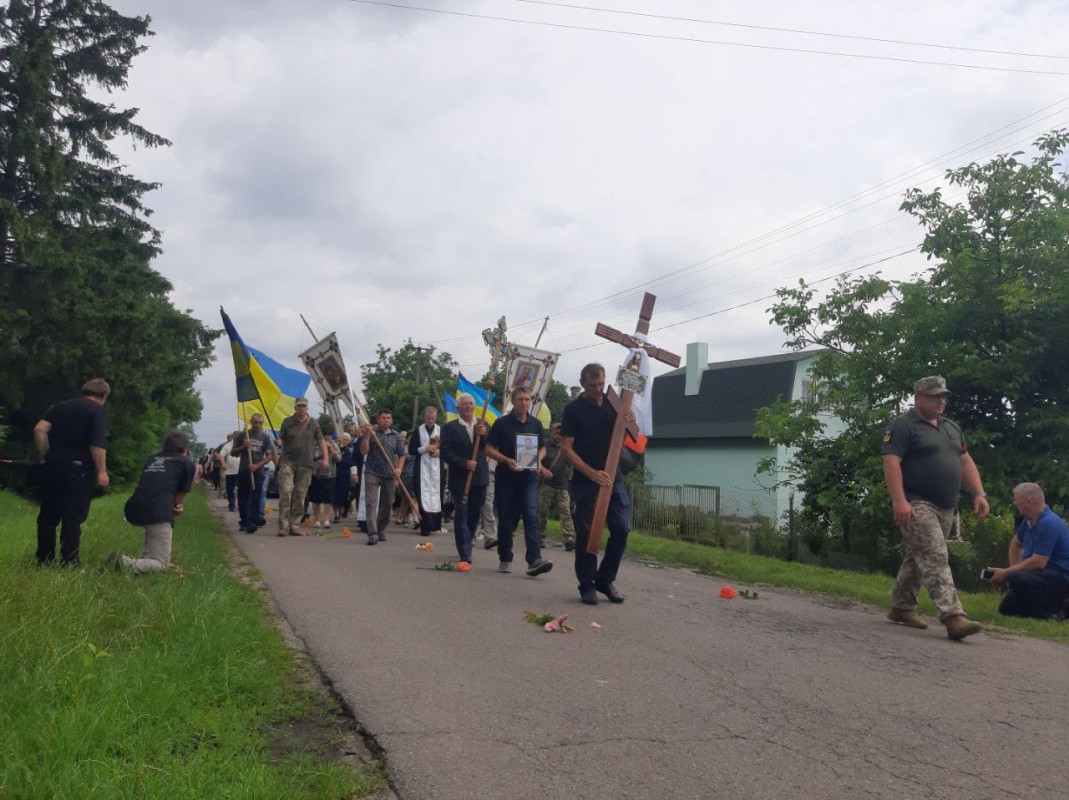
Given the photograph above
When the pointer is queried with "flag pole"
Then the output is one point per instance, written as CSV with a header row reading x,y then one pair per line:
x,y
267,416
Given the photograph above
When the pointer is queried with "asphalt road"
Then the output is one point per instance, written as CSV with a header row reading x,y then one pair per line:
x,y
679,694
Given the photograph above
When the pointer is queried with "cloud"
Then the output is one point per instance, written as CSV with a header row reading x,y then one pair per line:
x,y
393,174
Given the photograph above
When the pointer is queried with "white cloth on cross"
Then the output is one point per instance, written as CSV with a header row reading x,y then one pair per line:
x,y
642,404
430,471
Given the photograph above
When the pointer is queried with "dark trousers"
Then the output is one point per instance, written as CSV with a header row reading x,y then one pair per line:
x,y
466,519
66,490
618,521
249,492
1039,593
231,488
516,501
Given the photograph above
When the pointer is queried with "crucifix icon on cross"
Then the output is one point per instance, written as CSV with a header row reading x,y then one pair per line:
x,y
621,403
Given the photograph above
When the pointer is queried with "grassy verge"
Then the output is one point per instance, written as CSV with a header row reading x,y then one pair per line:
x,y
167,685
866,587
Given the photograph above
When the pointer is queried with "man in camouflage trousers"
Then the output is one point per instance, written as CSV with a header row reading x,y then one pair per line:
x,y
554,491
925,462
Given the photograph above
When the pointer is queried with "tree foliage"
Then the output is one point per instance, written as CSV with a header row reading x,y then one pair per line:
x,y
390,382
991,315
557,398
78,297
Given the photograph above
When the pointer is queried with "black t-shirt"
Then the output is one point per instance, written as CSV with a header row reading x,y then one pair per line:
x,y
590,427
502,435
258,445
77,425
931,457
162,477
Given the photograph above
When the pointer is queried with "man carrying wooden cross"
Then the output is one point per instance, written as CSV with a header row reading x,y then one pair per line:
x,y
592,434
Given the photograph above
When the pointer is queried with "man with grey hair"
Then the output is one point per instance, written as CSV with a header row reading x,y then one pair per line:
x,y
925,462
1037,578
458,442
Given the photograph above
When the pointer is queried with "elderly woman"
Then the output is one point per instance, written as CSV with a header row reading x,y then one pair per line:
x,y
348,474
321,489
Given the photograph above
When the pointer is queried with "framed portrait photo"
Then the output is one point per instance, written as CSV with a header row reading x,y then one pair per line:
x,y
527,450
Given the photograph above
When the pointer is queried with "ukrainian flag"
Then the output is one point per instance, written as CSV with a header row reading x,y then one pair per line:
x,y
464,385
263,385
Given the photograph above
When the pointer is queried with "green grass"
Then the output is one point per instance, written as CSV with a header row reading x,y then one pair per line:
x,y
165,685
866,587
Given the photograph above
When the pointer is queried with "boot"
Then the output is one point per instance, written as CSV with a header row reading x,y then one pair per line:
x,y
958,627
907,618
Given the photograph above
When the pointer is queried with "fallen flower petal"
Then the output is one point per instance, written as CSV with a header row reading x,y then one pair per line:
x,y
727,592
594,625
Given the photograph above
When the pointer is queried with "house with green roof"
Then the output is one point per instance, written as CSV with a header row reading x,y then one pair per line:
x,y
704,417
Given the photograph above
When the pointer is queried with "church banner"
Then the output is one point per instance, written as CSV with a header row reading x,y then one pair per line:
x,y
532,369
324,363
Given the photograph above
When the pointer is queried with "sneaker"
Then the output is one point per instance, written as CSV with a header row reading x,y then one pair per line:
x,y
539,567
372,539
326,523
908,618
569,546
281,533
504,566
958,627
490,543
463,566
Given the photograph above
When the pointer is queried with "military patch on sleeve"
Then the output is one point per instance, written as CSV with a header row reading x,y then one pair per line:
x,y
886,437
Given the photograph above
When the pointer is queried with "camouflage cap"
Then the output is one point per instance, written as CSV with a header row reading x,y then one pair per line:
x,y
932,385
554,426
300,401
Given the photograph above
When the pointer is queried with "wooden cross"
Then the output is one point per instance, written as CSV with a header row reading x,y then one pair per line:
x,y
495,339
621,403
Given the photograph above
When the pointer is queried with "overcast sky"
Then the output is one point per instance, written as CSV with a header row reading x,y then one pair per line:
x,y
396,174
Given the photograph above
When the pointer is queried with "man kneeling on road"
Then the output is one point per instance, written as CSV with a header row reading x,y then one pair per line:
x,y
1037,578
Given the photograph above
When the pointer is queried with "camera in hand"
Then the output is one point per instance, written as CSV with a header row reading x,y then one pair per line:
x,y
987,574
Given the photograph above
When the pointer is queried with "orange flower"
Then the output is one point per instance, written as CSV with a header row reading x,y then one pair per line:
x,y
727,592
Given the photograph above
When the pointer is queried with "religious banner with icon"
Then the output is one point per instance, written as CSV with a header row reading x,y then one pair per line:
x,y
533,370
324,363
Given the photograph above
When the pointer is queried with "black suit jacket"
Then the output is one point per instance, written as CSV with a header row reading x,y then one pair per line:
x,y
456,452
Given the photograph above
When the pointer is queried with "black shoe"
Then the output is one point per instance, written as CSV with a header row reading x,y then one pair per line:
x,y
539,567
261,522
372,539
231,508
569,546
490,543
588,595
609,590
250,529
382,538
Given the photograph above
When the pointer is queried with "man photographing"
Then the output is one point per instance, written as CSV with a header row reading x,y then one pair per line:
x,y
1037,579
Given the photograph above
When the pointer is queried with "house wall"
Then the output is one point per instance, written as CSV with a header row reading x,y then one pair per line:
x,y
731,466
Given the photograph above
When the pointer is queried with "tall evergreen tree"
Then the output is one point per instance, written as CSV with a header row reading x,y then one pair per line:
x,y
78,295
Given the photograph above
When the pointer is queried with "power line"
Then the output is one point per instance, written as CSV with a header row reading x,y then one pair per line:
x,y
801,31
695,40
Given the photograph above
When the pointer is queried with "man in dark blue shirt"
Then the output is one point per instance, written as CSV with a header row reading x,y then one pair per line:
x,y
72,441
586,434
165,480
516,486
1037,578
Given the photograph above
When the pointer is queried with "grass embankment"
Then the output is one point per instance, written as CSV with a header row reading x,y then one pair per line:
x,y
866,587
171,685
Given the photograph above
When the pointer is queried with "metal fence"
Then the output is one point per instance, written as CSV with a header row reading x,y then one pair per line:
x,y
738,519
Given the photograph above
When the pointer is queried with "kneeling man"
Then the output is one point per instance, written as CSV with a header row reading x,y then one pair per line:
x,y
1037,578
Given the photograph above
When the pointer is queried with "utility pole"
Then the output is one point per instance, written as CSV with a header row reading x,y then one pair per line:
x,y
415,394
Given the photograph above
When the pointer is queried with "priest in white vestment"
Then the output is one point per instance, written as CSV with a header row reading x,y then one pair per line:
x,y
423,445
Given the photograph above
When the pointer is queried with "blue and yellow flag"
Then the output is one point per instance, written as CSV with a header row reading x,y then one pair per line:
x,y
264,386
464,385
